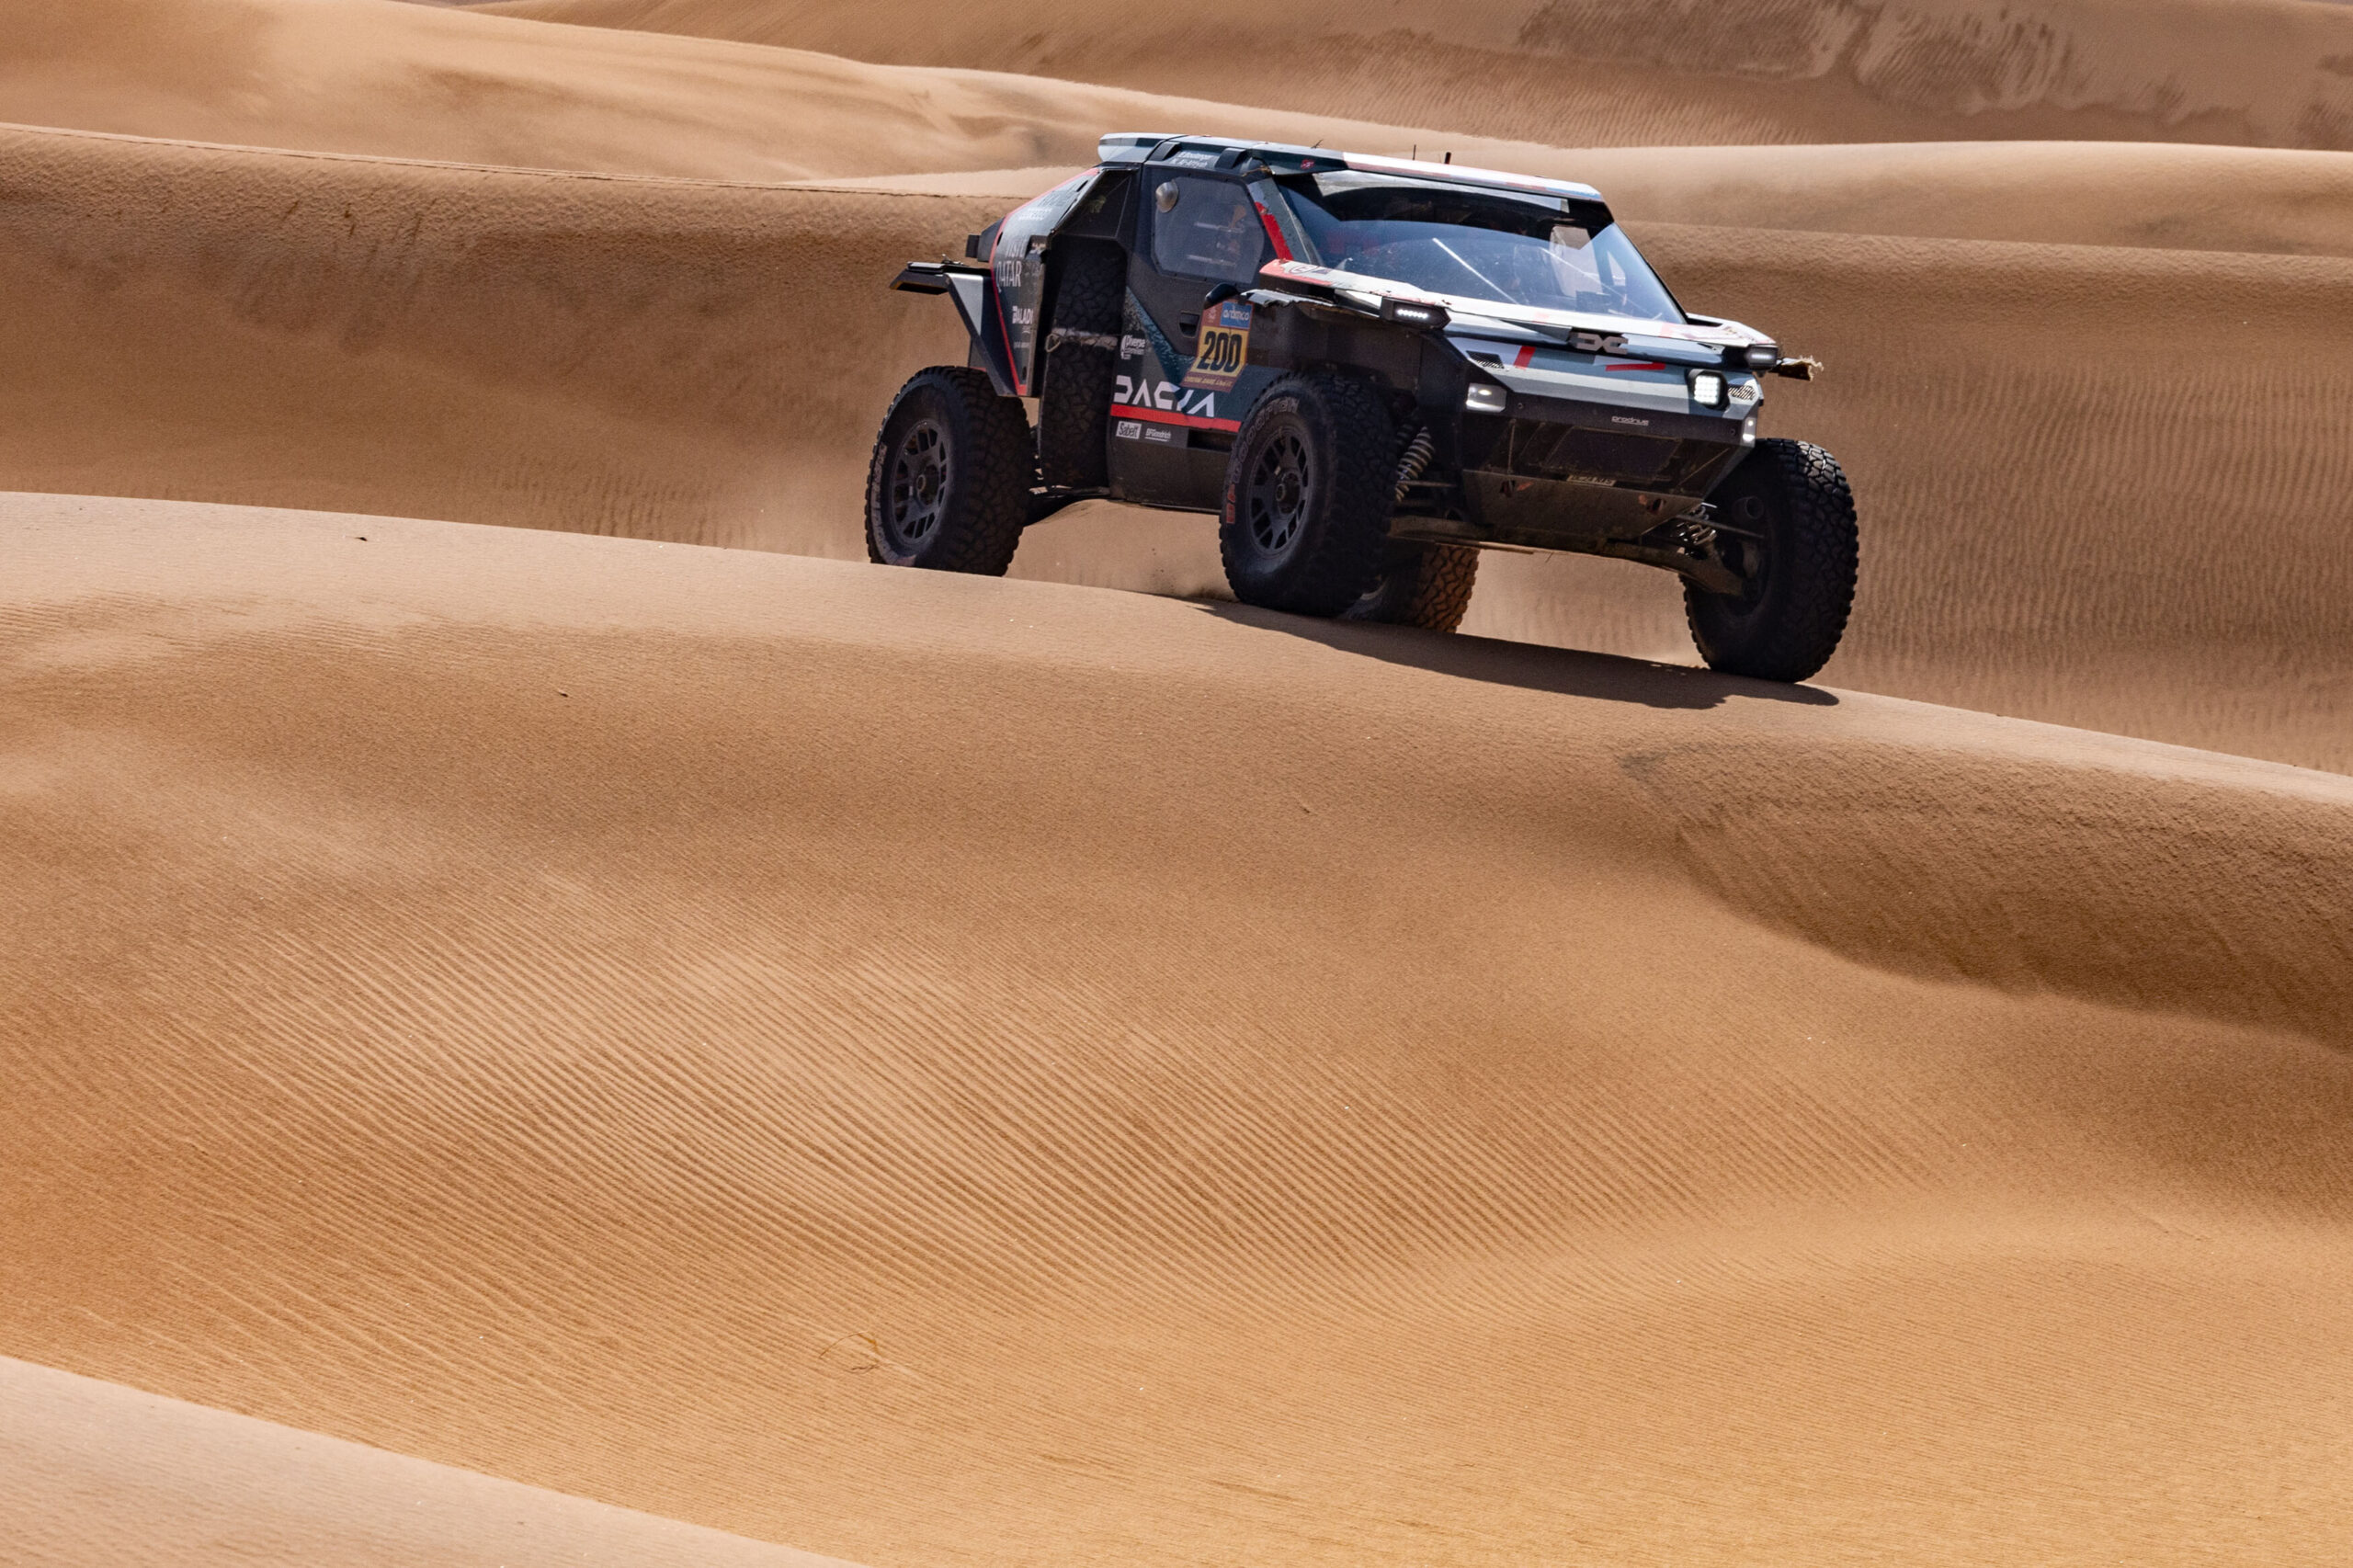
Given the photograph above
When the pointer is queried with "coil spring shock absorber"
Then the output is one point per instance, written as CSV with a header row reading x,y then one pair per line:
x,y
1413,460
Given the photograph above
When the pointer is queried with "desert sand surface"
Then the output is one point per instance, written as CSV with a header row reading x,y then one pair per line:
x,y
379,79
96,1475
933,1070
1572,72
2158,196
599,1028
386,79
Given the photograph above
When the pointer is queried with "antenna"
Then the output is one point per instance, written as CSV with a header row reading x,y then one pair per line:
x,y
1449,157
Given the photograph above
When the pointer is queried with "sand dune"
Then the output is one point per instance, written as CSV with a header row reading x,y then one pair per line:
x,y
370,76
2065,520
2147,195
95,1475
943,1071
557,351
2269,72
2143,195
363,76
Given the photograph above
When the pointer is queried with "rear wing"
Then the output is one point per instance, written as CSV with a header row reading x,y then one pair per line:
x,y
972,287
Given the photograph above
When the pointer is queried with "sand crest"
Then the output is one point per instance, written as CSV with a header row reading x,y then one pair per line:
x,y
96,1475
2265,73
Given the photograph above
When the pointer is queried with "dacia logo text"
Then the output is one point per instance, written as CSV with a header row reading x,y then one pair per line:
x,y
1141,392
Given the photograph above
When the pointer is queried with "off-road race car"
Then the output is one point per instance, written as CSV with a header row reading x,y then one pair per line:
x,y
1370,369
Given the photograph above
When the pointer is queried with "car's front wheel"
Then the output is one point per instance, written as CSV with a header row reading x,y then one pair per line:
x,y
948,484
1788,514
1307,496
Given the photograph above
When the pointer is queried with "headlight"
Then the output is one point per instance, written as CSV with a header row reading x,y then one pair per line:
x,y
1413,315
1748,431
1764,355
1708,388
1484,397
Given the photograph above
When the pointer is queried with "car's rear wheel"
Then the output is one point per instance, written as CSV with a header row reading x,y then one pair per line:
x,y
1074,401
1307,496
1789,514
948,484
1426,586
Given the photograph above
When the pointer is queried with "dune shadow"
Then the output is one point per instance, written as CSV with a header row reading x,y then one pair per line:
x,y
1609,678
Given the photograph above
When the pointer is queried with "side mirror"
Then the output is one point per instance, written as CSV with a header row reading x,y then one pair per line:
x,y
1220,294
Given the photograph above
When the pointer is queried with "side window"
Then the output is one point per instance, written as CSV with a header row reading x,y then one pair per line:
x,y
1207,228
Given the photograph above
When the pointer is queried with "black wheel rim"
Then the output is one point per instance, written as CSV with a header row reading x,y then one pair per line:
x,y
1753,556
920,483
1280,492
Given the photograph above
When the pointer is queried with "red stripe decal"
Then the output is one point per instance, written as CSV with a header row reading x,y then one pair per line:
x,y
1639,365
1162,416
1274,231
1525,357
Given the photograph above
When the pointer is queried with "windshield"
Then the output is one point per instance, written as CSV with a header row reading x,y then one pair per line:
x,y
1559,255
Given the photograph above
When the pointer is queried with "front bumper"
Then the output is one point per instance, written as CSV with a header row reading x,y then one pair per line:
x,y
1548,471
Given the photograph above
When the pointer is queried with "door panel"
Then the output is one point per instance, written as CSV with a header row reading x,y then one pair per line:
x,y
1172,418
1020,272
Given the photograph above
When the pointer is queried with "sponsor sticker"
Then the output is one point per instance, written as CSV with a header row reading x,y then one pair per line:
x,y
1225,347
1129,430
1160,434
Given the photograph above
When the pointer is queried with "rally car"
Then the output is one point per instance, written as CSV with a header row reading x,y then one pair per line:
x,y
1370,369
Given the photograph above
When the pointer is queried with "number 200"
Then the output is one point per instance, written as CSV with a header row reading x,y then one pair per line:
x,y
1222,350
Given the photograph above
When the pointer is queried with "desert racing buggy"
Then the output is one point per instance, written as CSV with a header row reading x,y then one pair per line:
x,y
1370,369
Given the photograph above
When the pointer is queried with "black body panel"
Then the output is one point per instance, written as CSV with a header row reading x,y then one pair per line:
x,y
975,303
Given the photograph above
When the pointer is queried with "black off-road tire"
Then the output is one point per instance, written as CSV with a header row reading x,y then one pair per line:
x,y
1426,586
1075,394
947,488
1308,491
1803,582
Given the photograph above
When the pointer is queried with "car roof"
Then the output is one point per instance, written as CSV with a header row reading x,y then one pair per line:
x,y
1134,147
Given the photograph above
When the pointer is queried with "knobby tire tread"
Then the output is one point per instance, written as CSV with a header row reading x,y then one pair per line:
x,y
1074,400
1429,588
991,441
1349,422
1820,591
